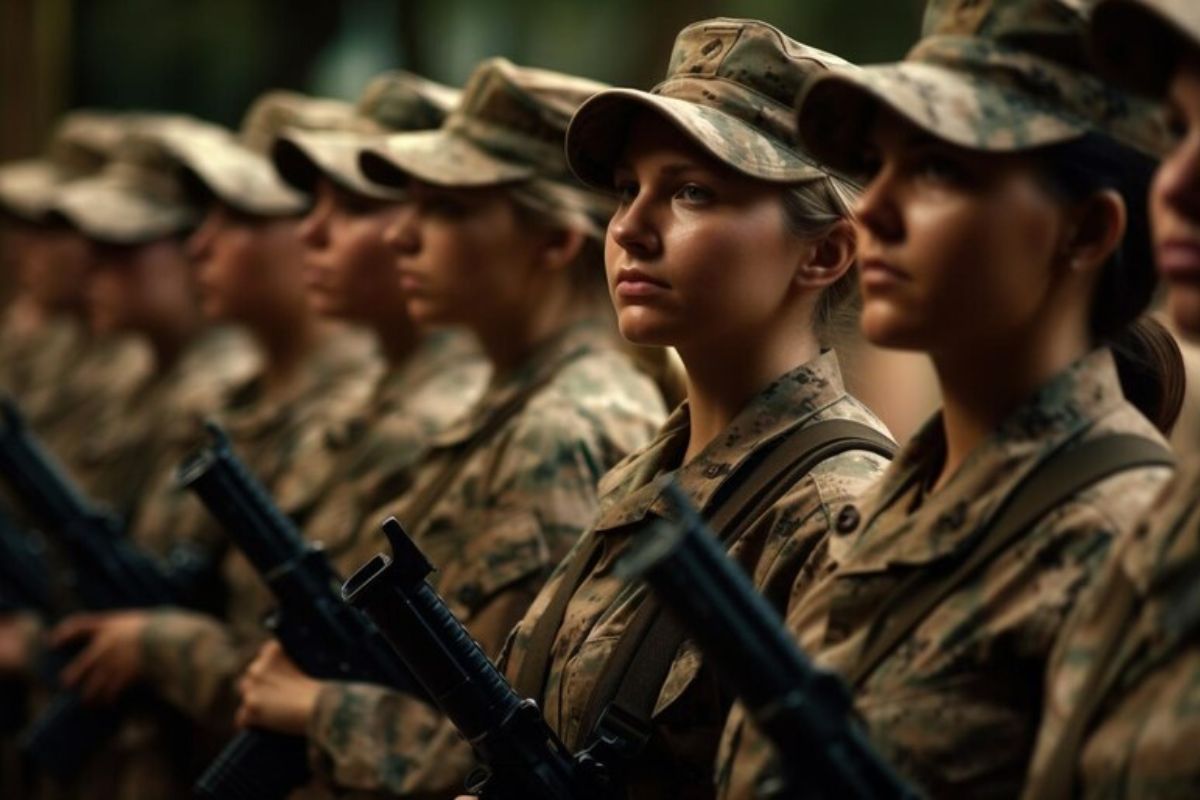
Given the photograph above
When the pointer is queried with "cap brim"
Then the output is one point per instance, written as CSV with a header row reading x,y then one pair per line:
x,y
837,110
599,131
300,157
28,188
1137,43
441,158
240,178
107,211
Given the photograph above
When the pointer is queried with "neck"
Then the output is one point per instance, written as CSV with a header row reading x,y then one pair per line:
x,y
981,387
723,377
508,342
398,339
169,342
286,347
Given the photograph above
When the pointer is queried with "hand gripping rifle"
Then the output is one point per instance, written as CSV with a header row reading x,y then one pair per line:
x,y
325,637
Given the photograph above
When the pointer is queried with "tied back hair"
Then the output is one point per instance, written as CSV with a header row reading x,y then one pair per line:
x,y
1148,359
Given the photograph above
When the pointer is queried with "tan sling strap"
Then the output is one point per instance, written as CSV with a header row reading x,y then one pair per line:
x,y
1046,487
622,703
1058,777
420,507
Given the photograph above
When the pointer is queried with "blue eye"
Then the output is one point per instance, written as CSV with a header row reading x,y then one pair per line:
x,y
694,193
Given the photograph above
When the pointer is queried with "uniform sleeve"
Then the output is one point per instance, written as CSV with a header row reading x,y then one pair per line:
x,y
541,494
193,662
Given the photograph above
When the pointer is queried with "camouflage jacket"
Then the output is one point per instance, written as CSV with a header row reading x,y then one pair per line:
x,y
339,452
1129,654
955,707
128,443
691,709
515,507
190,658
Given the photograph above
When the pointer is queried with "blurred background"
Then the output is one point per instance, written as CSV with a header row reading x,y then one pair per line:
x,y
212,57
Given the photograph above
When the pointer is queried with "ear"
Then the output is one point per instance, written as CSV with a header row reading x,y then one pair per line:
x,y
560,247
1093,233
827,259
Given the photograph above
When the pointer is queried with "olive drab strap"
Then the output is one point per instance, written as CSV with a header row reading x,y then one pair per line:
x,y
1044,488
620,709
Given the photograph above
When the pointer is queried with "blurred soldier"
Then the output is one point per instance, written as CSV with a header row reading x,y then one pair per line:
x,y
193,659
495,236
1002,232
1123,716
61,374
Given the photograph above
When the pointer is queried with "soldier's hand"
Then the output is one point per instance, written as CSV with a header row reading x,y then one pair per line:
x,y
276,695
111,658
19,633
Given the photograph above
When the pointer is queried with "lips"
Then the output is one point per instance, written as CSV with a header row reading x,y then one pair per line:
x,y
1179,260
634,284
877,273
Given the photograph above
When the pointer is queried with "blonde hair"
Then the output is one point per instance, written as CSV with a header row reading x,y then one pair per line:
x,y
812,209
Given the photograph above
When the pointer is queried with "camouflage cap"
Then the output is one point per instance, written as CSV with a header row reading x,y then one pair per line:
x,y
394,101
509,126
730,87
236,169
1137,43
138,197
989,75
79,146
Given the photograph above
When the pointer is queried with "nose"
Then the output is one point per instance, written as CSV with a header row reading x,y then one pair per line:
x,y
314,228
403,234
1178,181
199,245
877,209
632,228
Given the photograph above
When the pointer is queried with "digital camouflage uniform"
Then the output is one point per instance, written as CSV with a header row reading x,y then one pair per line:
x,y
956,705
1122,717
513,510
525,487
729,86
349,458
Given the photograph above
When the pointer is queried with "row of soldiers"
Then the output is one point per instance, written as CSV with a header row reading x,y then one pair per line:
x,y
461,308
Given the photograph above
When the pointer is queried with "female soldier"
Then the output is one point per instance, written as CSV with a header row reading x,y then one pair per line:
x,y
733,246
193,659
497,237
1121,717
1003,233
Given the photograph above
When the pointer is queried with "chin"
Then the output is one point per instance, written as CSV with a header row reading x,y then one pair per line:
x,y
644,329
422,312
883,327
1183,302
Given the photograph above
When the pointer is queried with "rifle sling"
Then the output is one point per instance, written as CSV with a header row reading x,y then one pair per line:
x,y
1047,486
634,674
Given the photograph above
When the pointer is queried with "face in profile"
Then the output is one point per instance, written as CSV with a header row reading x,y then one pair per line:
x,y
463,256
248,268
349,269
696,254
1175,201
138,288
53,267
956,248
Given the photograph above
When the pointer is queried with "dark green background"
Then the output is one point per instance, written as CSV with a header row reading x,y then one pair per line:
x,y
211,57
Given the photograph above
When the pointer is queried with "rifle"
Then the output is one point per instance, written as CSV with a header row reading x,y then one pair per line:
x,y
106,572
521,755
804,711
24,586
325,637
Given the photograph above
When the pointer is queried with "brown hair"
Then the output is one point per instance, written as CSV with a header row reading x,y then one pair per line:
x,y
1148,359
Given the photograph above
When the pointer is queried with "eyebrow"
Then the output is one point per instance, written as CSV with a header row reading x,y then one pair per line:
x,y
669,170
